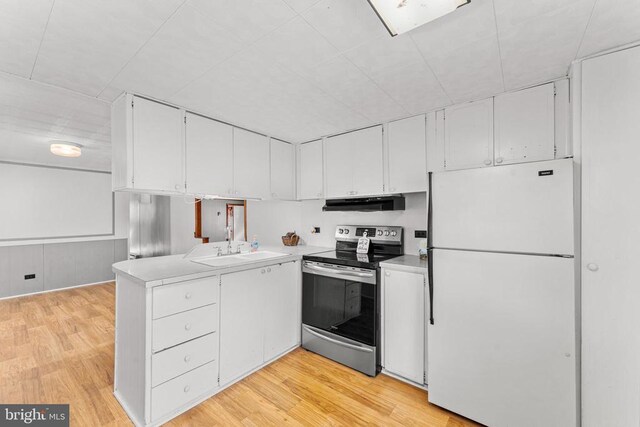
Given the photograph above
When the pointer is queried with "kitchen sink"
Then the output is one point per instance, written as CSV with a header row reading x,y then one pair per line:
x,y
228,260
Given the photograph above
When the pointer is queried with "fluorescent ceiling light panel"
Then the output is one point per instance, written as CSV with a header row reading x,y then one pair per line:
x,y
400,16
66,149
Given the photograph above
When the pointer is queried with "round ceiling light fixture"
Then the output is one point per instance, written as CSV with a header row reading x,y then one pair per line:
x,y
66,149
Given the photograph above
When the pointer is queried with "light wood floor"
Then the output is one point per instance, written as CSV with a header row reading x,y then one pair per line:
x,y
58,348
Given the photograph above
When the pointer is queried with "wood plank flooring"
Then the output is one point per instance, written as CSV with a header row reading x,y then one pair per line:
x,y
58,348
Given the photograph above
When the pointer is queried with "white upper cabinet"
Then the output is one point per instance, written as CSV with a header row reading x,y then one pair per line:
x,y
157,146
282,170
310,176
406,155
250,164
209,154
469,135
354,163
147,145
524,125
338,159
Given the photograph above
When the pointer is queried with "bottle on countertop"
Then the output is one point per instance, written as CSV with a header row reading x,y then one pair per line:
x,y
254,244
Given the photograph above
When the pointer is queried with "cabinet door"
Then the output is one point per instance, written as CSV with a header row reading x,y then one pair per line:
x,y
367,164
241,327
407,158
610,233
209,156
469,135
404,324
338,172
282,170
310,170
250,164
157,146
281,314
524,125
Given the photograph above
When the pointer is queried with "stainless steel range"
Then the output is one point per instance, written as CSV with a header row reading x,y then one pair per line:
x,y
341,296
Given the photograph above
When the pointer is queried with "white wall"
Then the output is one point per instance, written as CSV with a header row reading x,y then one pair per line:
x,y
45,202
270,220
414,217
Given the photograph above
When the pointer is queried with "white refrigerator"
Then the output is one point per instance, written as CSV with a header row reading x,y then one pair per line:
x,y
502,344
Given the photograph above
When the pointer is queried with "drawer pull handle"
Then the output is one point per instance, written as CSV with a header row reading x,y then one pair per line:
x,y
187,295
187,358
187,327
186,389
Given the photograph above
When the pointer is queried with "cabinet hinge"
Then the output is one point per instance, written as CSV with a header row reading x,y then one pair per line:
x,y
185,120
132,103
424,378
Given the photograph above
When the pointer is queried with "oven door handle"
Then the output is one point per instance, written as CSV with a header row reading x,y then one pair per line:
x,y
339,272
338,342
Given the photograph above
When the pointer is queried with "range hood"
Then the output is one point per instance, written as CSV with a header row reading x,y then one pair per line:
x,y
366,204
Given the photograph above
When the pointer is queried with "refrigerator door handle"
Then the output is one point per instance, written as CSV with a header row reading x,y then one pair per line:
x,y
430,249
430,278
430,214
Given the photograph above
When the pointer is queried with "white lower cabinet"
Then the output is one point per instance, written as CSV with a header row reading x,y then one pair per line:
x,y
170,356
259,319
241,342
404,324
281,317
181,390
176,361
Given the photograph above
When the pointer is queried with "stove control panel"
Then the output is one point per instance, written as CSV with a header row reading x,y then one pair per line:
x,y
377,233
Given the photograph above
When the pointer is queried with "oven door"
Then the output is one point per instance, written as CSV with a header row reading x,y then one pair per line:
x,y
341,300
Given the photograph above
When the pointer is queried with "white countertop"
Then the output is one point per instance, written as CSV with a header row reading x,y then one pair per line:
x,y
411,263
174,268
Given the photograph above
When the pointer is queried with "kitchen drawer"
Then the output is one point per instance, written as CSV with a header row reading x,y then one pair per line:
x,y
173,394
183,296
182,358
181,327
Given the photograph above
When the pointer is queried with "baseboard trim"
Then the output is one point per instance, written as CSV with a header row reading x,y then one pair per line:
x,y
56,290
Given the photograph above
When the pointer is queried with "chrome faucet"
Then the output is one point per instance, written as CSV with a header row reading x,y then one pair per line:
x,y
219,251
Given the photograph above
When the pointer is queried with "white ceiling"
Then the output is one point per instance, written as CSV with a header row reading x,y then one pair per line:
x,y
294,69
